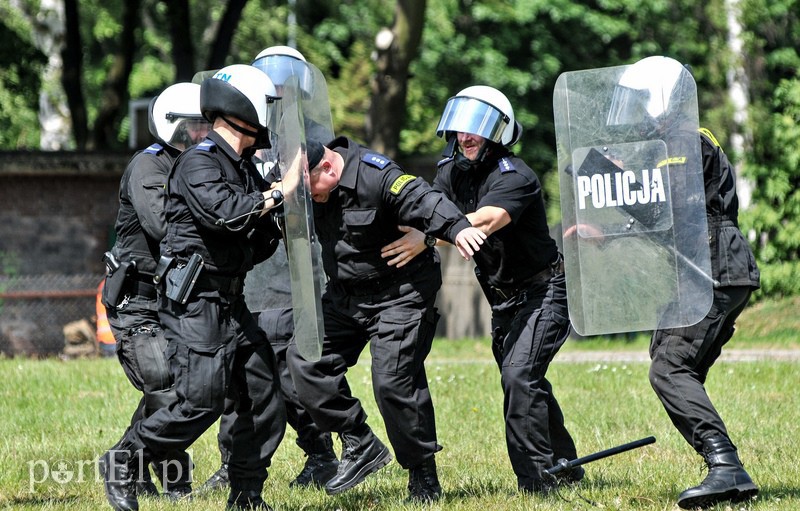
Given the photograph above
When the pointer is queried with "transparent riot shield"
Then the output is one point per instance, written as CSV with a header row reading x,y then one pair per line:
x,y
632,198
305,114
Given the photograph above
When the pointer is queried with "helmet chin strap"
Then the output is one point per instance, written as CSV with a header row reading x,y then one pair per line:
x,y
261,136
464,163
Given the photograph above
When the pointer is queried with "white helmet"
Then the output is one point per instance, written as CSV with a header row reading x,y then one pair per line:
x,y
649,90
170,111
240,91
483,111
281,63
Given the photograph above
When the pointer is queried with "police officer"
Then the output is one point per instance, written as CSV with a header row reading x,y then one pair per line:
x,y
176,122
360,198
520,271
268,294
682,357
217,229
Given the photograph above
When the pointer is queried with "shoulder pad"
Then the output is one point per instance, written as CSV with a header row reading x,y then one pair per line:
x,y
442,162
506,165
710,136
206,145
154,149
376,160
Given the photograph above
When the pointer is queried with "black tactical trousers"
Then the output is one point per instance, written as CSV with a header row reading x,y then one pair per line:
x,y
216,350
527,332
140,349
279,327
681,358
399,324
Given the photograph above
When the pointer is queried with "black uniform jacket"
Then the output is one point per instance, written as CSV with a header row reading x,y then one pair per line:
x,y
210,182
140,224
514,254
732,259
373,197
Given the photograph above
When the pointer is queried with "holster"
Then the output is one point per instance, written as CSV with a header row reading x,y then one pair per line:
x,y
485,287
181,280
116,273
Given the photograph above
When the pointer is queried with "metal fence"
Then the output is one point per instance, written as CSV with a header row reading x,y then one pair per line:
x,y
35,308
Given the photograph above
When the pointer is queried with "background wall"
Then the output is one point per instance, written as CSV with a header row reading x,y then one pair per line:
x,y
57,213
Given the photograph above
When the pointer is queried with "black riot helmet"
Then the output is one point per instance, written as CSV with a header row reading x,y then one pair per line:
x,y
243,92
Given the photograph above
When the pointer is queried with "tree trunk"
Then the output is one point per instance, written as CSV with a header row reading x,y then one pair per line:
x,y
71,73
181,38
115,92
738,94
225,30
395,50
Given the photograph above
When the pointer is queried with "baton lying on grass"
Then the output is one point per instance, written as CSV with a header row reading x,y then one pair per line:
x,y
562,464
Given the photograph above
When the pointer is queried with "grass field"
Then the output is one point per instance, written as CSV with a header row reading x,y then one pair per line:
x,y
58,417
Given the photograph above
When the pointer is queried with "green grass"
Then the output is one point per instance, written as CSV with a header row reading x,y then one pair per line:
x,y
71,412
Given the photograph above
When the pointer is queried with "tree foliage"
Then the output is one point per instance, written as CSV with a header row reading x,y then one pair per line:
x,y
518,46
773,39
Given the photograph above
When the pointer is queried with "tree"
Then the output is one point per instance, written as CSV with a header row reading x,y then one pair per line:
x,y
20,83
772,39
395,49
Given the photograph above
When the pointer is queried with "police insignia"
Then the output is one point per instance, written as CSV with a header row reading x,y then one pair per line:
x,y
154,149
401,182
442,162
506,165
206,145
376,160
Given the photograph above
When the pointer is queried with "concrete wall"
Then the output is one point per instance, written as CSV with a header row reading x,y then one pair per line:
x,y
57,213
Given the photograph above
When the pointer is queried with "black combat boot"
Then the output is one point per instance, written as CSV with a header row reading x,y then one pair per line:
x,y
219,480
362,454
246,500
176,476
318,470
423,483
726,479
119,469
145,487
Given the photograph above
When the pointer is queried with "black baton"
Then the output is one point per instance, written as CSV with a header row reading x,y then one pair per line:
x,y
563,464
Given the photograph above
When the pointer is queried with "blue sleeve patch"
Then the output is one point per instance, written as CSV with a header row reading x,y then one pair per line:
x,y
506,165
154,149
376,160
442,162
206,145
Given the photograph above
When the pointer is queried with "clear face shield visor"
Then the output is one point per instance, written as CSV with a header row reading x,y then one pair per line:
x,y
190,129
281,68
628,106
470,115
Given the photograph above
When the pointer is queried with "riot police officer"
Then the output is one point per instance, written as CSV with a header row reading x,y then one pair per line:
x,y
681,357
268,294
218,227
520,271
129,294
360,197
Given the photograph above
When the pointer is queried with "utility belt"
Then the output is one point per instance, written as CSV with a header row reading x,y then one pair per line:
x,y
379,285
225,285
500,294
181,278
369,287
140,284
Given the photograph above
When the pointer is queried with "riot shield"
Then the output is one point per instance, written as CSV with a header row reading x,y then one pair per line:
x,y
305,114
632,198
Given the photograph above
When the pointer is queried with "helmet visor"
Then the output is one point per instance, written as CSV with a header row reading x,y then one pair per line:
x,y
470,115
280,68
628,106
